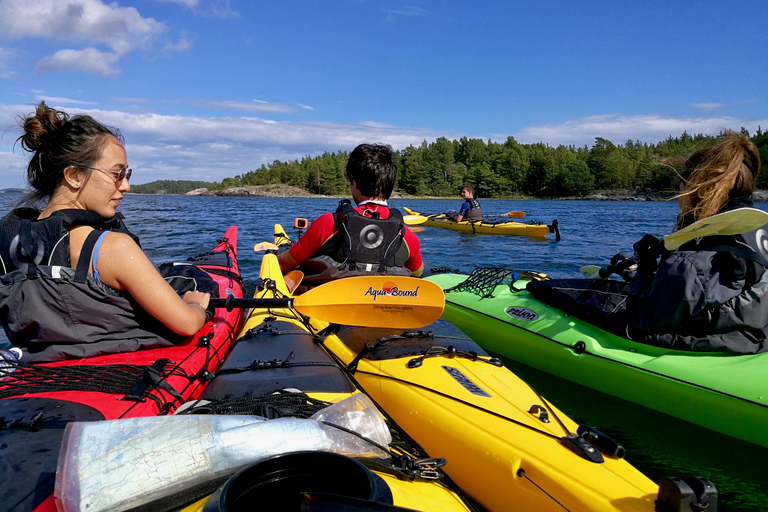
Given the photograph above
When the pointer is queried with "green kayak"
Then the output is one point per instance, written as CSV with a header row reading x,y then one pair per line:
x,y
721,391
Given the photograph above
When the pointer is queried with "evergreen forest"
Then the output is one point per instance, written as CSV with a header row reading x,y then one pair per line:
x,y
507,169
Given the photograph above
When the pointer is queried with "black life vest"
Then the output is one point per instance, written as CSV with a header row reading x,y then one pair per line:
x,y
362,246
55,312
23,239
475,212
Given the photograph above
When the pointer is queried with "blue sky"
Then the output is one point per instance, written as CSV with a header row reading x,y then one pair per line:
x,y
205,89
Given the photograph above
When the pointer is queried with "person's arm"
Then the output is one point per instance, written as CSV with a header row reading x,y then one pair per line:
x,y
318,232
414,262
287,261
465,207
122,265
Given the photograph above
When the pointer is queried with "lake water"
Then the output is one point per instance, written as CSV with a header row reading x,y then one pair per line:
x,y
592,232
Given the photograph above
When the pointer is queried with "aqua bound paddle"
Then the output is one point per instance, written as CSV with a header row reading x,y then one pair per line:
x,y
367,301
734,222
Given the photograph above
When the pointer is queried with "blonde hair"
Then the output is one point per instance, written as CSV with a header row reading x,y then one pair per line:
x,y
714,175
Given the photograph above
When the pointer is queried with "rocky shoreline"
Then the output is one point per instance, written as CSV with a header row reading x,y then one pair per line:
x,y
255,191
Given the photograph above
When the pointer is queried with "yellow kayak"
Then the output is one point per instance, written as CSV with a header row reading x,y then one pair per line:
x,y
505,446
274,351
504,227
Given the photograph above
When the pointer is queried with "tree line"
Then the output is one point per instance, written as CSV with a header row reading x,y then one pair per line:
x,y
169,187
507,169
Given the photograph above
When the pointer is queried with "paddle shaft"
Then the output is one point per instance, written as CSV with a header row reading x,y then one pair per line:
x,y
232,302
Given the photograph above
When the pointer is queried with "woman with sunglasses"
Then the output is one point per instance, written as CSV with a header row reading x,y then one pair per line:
x,y
75,282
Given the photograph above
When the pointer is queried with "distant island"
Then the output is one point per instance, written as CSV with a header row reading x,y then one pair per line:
x,y
510,170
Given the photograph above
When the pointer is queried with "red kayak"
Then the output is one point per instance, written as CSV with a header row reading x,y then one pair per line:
x,y
37,401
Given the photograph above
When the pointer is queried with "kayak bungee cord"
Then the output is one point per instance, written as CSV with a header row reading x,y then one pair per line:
x,y
352,369
521,472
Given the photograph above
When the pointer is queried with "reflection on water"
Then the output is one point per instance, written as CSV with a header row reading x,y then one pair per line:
x,y
173,227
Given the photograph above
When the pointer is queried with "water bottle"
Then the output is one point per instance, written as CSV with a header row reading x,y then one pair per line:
x,y
11,354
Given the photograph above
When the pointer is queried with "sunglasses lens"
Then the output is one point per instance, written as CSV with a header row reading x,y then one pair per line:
x,y
124,174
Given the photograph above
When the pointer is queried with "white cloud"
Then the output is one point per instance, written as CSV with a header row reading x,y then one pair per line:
x,y
121,29
187,3
708,107
57,99
253,106
215,8
182,45
407,11
619,128
89,60
6,73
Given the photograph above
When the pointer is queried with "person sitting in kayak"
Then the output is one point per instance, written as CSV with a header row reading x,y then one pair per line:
x,y
357,240
75,281
470,208
710,293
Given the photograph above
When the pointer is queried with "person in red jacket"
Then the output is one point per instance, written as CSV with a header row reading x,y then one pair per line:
x,y
369,238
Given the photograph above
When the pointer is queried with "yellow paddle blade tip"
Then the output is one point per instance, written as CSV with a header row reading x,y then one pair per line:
x,y
265,246
412,220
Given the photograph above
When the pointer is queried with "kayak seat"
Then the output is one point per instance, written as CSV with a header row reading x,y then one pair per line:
x,y
276,355
600,302
31,431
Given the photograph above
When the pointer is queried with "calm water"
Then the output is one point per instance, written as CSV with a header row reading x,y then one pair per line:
x,y
174,226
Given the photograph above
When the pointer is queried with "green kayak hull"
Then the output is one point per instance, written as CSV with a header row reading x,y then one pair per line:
x,y
723,392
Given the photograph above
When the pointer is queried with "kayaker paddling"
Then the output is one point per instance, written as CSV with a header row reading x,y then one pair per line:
x,y
76,283
369,238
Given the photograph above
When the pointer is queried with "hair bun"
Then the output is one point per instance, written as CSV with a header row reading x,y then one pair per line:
x,y
40,129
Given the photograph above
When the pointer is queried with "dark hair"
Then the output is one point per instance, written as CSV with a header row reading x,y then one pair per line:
x,y
374,168
469,188
59,141
715,175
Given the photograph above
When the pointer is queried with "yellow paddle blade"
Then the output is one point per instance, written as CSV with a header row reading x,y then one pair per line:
x,y
293,279
385,301
416,229
733,222
264,246
412,220
280,235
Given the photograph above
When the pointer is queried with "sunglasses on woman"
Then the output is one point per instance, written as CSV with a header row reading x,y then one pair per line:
x,y
124,173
